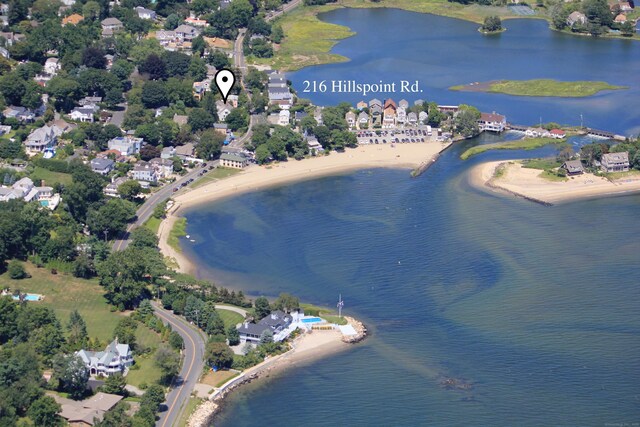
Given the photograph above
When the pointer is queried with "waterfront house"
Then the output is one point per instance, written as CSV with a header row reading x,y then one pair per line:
x,y
626,6
144,173
363,120
389,113
277,322
492,122
41,139
280,96
620,19
115,359
576,18
361,105
412,118
403,103
401,115
277,81
423,117
102,166
314,145
350,117
126,145
537,133
233,160
573,167
87,412
144,13
557,133
615,162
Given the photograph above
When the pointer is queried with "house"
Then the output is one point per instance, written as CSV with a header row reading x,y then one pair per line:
x,y
412,118
111,189
115,359
492,122
626,6
375,102
284,117
277,322
86,412
221,128
90,101
12,38
573,167
361,105
163,167
165,37
537,133
168,153
280,96
277,81
52,66
314,145
557,133
615,162
576,18
102,166
401,115
41,139
186,33
423,117
144,173
144,13
223,110
375,108
192,20
185,152
403,103
233,100
418,102
74,19
233,160
448,108
110,26
180,120
350,117
21,114
82,114
621,18
299,115
389,113
126,145
363,119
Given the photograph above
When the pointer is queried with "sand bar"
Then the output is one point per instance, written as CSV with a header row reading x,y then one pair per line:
x,y
525,182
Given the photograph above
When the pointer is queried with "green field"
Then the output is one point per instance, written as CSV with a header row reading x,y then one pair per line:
x,y
541,87
147,373
49,177
64,293
153,224
521,144
230,318
179,230
214,175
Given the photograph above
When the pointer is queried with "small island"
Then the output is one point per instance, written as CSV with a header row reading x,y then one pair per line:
x,y
492,25
539,87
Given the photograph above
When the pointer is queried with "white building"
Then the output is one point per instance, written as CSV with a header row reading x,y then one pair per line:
x,y
41,139
126,145
144,173
233,160
82,114
492,122
144,13
284,117
52,66
115,359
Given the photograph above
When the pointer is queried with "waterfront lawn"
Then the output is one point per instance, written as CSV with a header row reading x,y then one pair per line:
x,y
325,313
50,177
230,318
153,224
307,40
542,87
520,144
214,175
334,319
216,379
179,230
64,293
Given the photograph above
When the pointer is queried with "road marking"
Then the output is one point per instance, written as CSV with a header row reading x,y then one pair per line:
x,y
193,359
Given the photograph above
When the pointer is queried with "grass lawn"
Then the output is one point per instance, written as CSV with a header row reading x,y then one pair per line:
x,y
334,319
179,230
327,314
520,144
550,176
49,177
542,164
544,87
64,293
216,379
632,174
214,175
153,224
191,406
147,373
230,318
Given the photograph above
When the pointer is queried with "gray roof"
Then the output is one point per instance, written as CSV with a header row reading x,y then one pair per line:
x,y
101,164
252,329
276,319
622,157
233,157
573,166
111,21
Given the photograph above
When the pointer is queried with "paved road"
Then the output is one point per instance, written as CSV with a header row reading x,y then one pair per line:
x,y
286,8
192,366
146,210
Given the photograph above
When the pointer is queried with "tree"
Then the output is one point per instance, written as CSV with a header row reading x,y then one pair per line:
x,y
77,331
143,237
72,374
262,307
233,335
237,118
175,340
172,22
210,144
168,361
200,119
129,190
16,270
627,29
286,302
219,355
177,64
262,154
466,120
154,66
153,397
125,331
114,384
113,97
44,412
93,57
91,10
154,94
492,23
597,12
111,218
12,89
266,337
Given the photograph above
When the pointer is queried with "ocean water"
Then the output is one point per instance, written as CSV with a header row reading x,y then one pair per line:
x,y
537,307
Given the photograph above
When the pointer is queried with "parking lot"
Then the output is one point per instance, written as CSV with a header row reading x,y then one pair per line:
x,y
398,136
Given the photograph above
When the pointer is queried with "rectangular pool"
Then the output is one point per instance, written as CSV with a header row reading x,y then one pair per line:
x,y
312,320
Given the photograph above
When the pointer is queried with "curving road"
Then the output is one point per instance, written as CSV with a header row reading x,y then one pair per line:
x,y
191,367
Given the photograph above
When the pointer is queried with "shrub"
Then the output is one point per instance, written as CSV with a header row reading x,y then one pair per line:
x,y
16,270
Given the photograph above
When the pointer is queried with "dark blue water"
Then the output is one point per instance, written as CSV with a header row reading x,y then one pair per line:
x,y
537,306
439,52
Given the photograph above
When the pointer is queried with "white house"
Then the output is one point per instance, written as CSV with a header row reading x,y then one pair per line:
x,y
401,115
163,167
115,359
350,117
126,145
615,162
412,118
24,189
186,33
82,114
144,173
363,119
576,18
284,117
492,122
223,110
102,166
52,66
144,13
423,117
41,139
277,322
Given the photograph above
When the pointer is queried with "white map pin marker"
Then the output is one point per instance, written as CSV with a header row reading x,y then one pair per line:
x,y
224,81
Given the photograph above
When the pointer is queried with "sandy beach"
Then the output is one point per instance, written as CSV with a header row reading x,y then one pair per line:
x,y
253,178
527,183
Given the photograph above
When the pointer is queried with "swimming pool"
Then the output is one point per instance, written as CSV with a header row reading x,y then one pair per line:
x,y
312,320
29,297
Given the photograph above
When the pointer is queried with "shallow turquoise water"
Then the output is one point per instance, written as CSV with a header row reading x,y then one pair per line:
x,y
537,306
